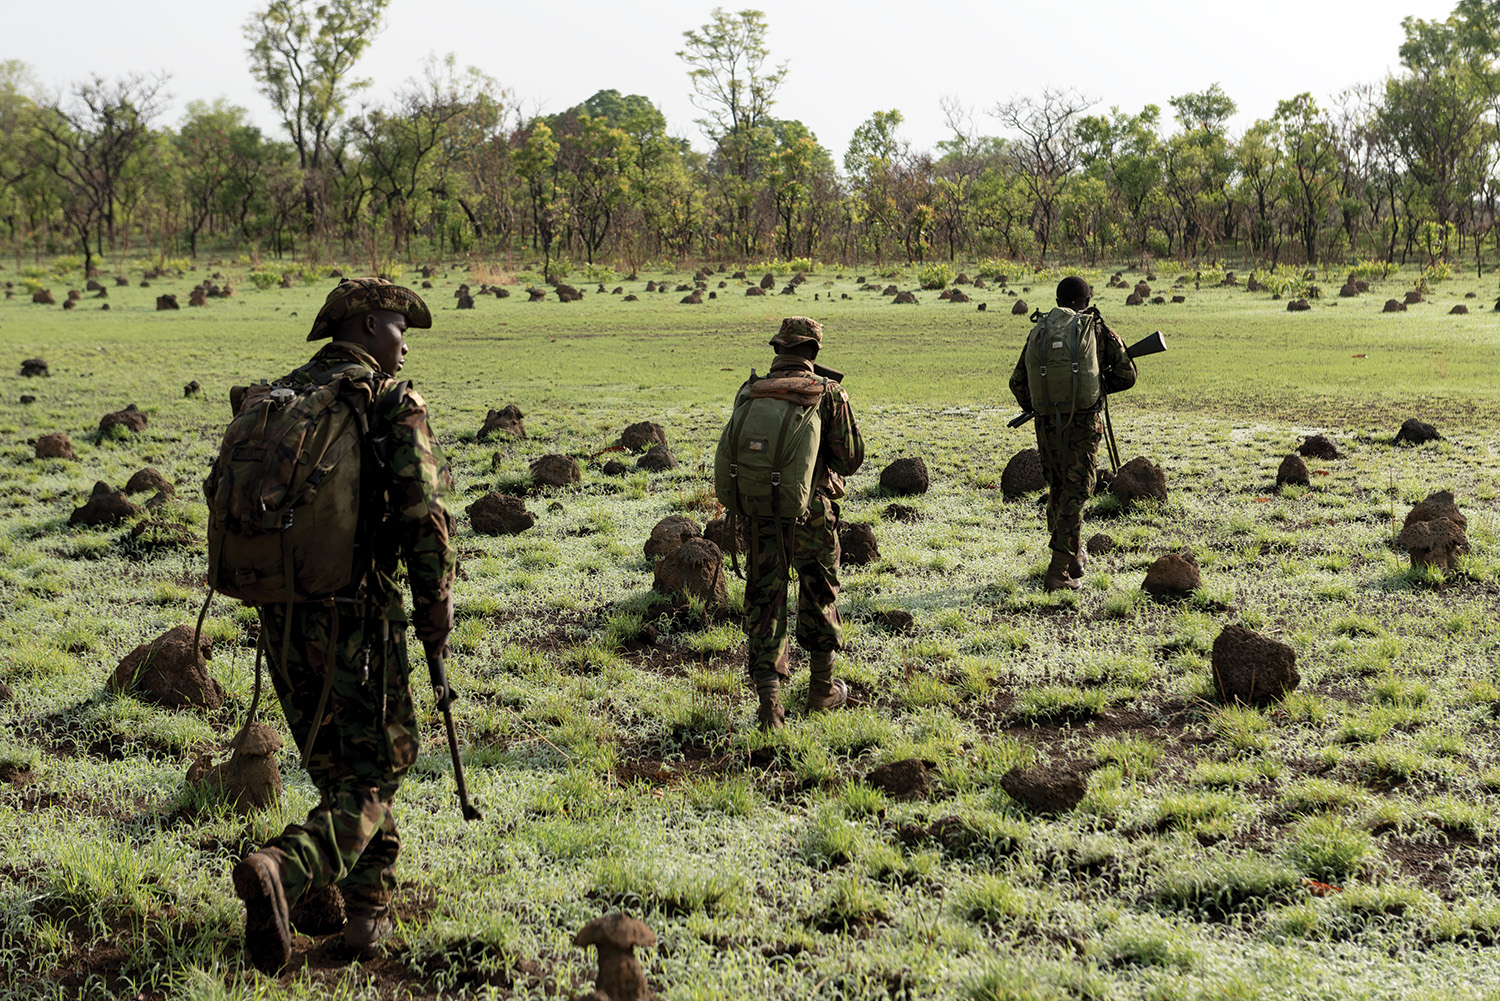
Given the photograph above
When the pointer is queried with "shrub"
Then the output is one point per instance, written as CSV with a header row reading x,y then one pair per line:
x,y
264,279
935,276
1219,887
599,273
1328,848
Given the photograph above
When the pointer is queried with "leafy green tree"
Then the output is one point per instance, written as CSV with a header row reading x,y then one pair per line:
x,y
1045,151
1311,166
302,53
1125,151
18,113
399,148
210,139
89,143
735,89
1261,161
536,163
1434,112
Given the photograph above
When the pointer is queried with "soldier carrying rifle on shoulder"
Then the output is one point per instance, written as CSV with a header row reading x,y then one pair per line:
x,y
1071,362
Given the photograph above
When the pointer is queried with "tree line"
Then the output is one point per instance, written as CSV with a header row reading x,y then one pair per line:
x,y
1401,169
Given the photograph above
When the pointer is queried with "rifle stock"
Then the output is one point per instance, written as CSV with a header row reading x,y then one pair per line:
x,y
828,373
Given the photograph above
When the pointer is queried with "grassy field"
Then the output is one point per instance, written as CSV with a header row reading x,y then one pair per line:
x,y
1342,844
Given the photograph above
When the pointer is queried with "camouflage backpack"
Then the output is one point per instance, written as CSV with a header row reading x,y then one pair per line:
x,y
1062,362
284,494
768,451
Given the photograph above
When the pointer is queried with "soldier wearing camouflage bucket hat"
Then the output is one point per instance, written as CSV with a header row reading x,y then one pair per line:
x,y
794,391
342,677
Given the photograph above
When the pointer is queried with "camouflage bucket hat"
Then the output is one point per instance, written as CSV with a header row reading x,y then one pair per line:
x,y
797,330
356,296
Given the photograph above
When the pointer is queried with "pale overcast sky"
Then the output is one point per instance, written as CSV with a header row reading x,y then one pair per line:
x,y
846,58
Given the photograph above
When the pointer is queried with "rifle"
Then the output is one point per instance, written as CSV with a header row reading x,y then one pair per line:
x,y
1152,344
442,692
828,373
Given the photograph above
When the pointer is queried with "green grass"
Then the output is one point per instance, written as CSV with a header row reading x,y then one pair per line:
x,y
618,766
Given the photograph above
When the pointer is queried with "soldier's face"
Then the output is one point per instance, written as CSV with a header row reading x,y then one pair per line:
x,y
386,333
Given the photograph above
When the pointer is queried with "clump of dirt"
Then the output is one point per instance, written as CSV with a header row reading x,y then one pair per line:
x,y
56,445
906,298
693,569
250,780
907,779
167,671
857,544
130,418
896,620
555,470
1172,577
1397,306
499,514
905,476
1100,544
1415,432
669,534
106,506
1317,446
717,532
33,367
615,937
1292,471
165,302
1139,479
1023,474
1251,668
508,419
900,512
1435,532
1053,788
658,459
641,435
149,479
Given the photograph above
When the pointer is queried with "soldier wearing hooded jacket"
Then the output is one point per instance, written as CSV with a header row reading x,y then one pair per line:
x,y
366,738
809,545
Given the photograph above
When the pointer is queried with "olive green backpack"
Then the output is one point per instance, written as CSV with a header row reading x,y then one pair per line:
x,y
767,457
1062,362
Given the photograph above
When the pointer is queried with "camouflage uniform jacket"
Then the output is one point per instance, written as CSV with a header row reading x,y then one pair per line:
x,y
1116,370
843,448
412,524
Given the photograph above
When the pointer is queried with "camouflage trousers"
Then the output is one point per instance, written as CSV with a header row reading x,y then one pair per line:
x,y
364,746
811,545
1070,471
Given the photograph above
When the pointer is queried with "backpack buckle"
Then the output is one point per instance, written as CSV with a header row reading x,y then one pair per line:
x,y
734,470
775,479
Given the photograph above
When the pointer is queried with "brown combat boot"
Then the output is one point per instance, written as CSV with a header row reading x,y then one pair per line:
x,y
824,692
770,714
268,930
1057,578
367,922
1078,562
